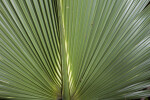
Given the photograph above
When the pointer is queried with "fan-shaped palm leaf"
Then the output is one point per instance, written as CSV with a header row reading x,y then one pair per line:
x,y
75,49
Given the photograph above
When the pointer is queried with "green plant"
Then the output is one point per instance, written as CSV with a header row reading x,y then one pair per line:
x,y
74,49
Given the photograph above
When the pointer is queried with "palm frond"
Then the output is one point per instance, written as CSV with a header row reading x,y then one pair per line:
x,y
30,58
108,47
75,49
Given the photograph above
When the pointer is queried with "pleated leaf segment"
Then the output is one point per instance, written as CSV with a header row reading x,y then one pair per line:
x,y
74,49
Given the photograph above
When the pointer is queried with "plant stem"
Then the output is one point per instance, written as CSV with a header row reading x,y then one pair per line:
x,y
65,79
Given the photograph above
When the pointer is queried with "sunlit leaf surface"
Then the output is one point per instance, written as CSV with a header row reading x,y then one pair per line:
x,y
74,49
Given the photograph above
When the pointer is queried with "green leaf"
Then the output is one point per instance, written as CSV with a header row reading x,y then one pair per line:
x,y
74,49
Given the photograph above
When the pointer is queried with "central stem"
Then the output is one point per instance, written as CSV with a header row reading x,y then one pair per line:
x,y
65,78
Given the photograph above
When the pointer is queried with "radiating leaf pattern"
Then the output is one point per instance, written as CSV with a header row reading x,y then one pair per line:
x,y
98,49
108,46
30,58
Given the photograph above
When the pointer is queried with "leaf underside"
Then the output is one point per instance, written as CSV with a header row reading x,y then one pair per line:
x,y
106,47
